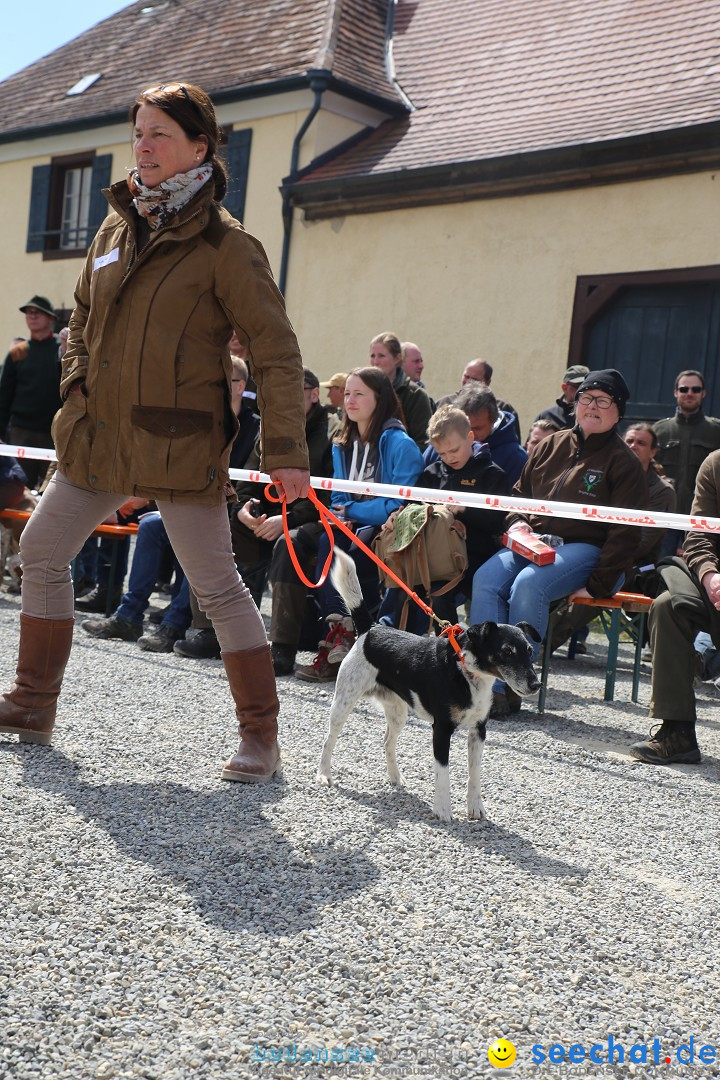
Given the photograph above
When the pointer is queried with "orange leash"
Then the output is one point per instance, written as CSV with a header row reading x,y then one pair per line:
x,y
328,519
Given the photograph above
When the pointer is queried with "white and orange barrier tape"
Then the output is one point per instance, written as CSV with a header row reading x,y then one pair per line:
x,y
610,515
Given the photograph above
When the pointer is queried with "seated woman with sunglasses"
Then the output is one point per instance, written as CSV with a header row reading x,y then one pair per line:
x,y
588,464
146,384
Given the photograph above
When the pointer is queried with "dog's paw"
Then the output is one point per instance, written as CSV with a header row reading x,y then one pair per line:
x,y
324,778
442,813
476,810
396,778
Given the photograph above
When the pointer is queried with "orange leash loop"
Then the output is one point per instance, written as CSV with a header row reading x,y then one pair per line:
x,y
328,518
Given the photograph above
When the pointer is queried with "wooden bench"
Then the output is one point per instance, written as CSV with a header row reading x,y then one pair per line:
x,y
625,612
113,532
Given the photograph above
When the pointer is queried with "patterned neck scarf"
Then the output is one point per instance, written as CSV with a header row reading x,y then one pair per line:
x,y
159,205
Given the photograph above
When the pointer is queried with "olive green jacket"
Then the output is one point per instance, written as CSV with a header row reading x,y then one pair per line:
x,y
148,341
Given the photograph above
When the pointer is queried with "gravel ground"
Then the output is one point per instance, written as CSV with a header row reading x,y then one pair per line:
x,y
161,923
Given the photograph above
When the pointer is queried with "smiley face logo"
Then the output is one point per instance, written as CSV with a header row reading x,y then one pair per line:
x,y
501,1053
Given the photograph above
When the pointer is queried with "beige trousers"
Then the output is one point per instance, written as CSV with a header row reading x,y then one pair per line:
x,y
200,538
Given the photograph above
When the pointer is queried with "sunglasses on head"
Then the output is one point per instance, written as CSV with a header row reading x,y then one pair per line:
x,y
169,88
690,389
172,89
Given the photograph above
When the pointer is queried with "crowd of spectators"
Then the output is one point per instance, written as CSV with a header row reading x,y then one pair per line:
x,y
379,424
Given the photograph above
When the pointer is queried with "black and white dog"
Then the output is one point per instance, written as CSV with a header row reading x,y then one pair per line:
x,y
402,671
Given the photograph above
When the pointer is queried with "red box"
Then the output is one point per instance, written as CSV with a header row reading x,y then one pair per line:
x,y
530,546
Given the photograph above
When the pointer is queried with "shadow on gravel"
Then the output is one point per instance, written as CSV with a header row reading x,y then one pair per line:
x,y
600,740
485,837
242,874
562,698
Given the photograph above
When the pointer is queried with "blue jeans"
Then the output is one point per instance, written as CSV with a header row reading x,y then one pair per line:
x,y
150,544
329,600
705,647
509,589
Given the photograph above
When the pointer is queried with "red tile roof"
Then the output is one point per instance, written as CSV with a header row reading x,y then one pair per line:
x,y
223,45
500,77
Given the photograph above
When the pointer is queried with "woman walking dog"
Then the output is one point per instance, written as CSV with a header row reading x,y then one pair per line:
x,y
146,388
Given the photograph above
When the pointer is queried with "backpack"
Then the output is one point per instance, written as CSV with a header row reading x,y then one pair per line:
x,y
423,544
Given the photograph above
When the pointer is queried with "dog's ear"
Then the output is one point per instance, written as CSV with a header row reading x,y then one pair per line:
x,y
481,631
529,631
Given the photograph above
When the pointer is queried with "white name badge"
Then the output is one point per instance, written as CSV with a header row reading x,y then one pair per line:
x,y
105,260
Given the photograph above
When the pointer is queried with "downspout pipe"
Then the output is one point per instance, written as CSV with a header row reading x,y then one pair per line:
x,y
319,81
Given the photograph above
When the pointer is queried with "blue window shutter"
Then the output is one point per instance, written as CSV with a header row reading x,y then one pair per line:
x,y
237,156
39,199
99,208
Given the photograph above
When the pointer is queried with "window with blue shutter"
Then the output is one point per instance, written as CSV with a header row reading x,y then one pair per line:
x,y
237,156
67,205
39,202
99,208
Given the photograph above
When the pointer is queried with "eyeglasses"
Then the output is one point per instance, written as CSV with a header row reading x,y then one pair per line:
x,y
690,389
590,399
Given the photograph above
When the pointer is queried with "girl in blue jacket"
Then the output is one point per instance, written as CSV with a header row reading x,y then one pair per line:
x,y
372,446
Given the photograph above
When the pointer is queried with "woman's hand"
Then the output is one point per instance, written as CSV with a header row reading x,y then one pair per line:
x,y
579,592
292,483
519,527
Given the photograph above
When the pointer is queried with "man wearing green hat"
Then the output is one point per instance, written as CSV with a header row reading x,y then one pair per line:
x,y
30,386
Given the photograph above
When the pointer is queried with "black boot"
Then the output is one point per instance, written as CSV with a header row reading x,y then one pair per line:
x,y
504,705
160,638
670,743
199,645
113,627
283,658
97,600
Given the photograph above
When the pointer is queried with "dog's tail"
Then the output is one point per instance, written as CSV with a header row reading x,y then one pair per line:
x,y
345,579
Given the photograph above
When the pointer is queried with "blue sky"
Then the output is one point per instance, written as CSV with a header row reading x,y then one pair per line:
x,y
31,32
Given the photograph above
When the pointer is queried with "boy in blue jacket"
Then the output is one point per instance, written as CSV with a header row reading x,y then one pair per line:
x,y
462,465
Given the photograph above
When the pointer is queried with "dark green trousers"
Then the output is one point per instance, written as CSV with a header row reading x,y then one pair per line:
x,y
676,617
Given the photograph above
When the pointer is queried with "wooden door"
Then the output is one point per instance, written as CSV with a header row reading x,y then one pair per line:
x,y
650,331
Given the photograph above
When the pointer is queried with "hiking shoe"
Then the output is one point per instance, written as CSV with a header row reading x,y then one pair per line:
x,y
668,744
112,627
198,645
161,640
504,705
319,671
341,640
283,658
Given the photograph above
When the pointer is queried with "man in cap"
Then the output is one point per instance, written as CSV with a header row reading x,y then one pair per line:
x,y
335,387
562,413
30,386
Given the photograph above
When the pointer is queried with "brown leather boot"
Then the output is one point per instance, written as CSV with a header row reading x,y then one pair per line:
x,y
29,709
252,684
